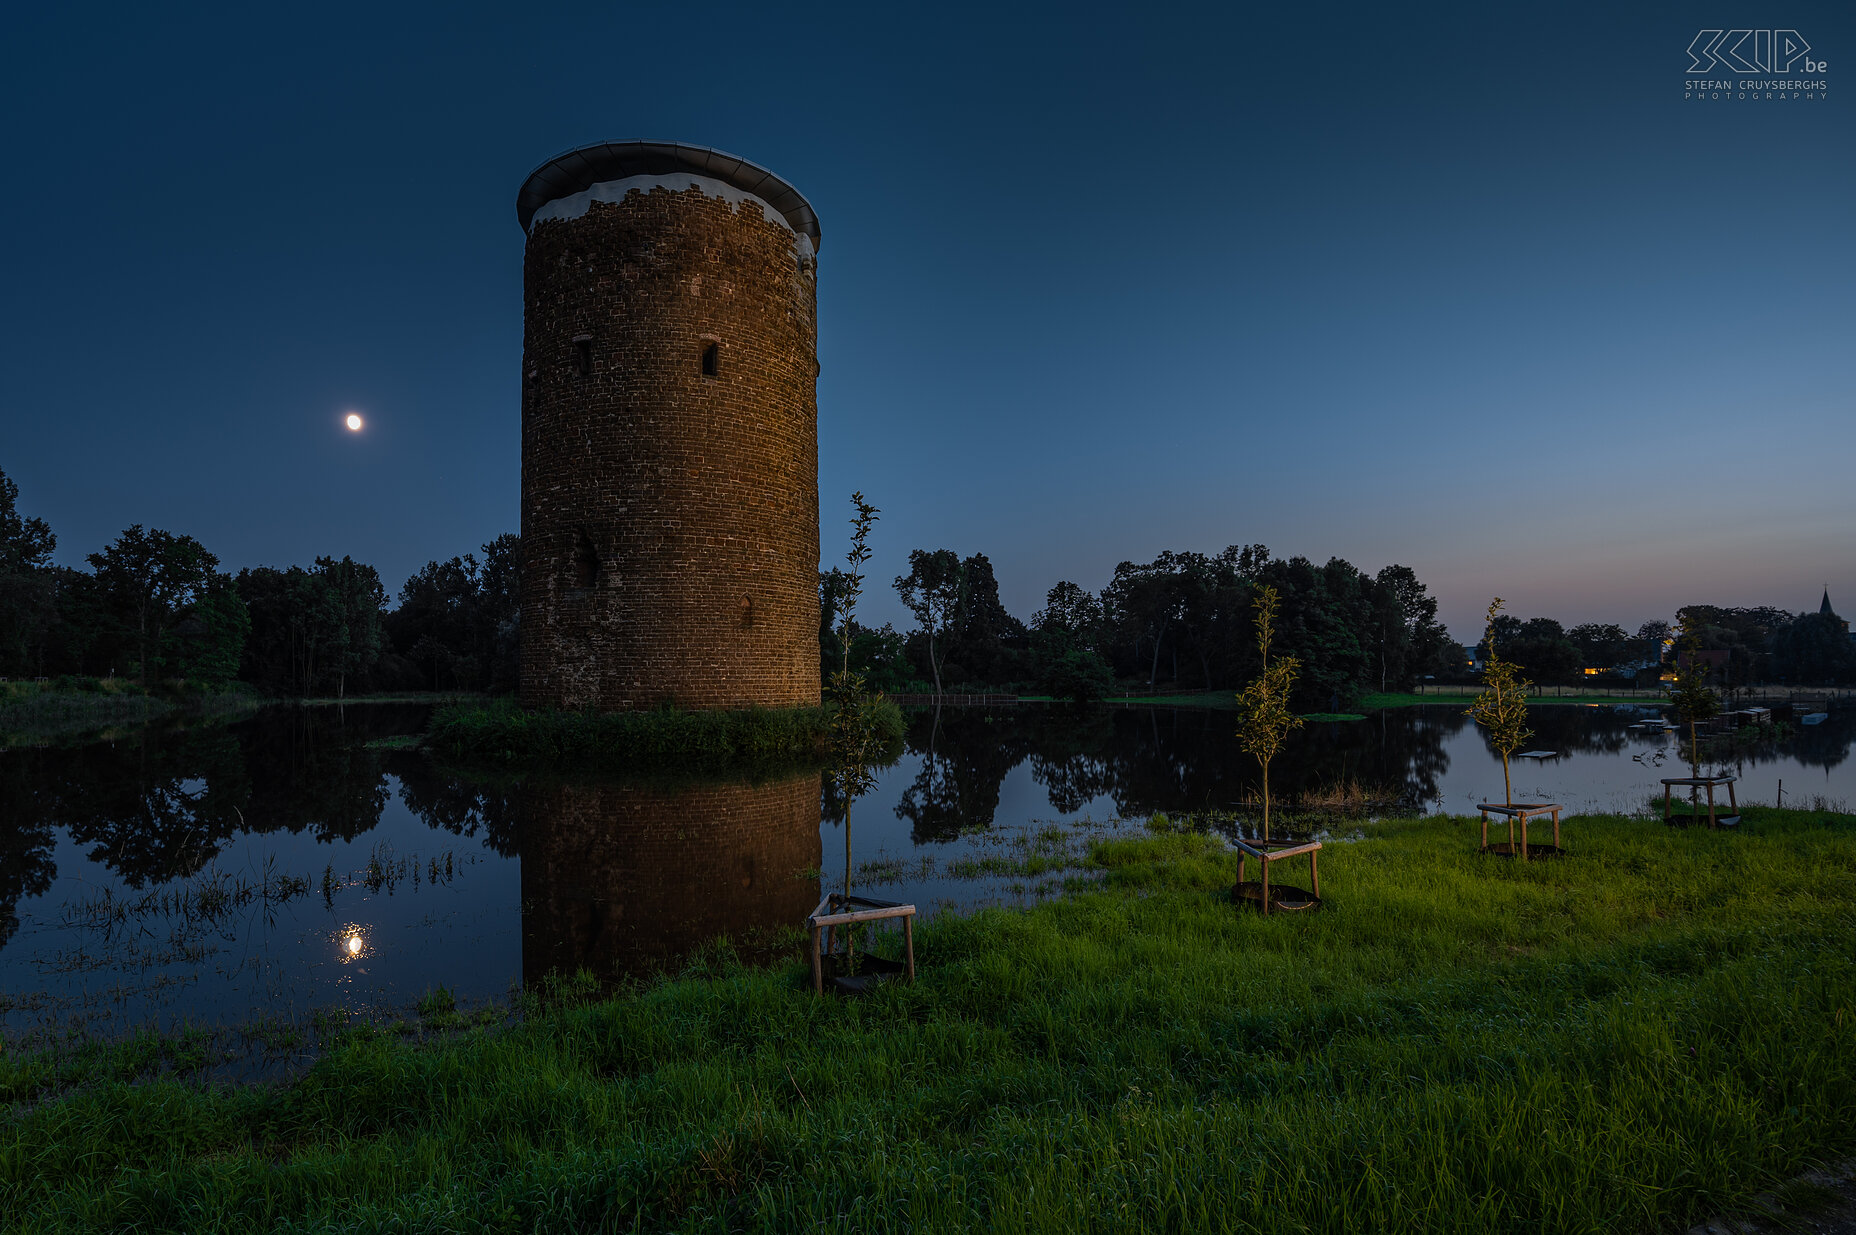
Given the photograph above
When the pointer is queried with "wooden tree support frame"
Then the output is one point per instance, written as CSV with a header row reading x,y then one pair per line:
x,y
1699,782
1522,811
837,910
1267,852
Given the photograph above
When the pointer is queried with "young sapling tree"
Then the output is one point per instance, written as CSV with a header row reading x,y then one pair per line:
x,y
853,736
1501,708
1690,697
1264,720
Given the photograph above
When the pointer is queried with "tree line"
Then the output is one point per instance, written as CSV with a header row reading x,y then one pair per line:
x,y
1740,646
155,607
1182,620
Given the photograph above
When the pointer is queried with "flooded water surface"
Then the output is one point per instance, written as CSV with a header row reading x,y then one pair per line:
x,y
302,860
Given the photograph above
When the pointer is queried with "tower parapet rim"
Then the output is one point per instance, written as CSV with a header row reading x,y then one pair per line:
x,y
578,171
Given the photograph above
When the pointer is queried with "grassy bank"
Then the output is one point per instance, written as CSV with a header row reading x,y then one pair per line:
x,y
502,735
1629,1039
31,713
1220,700
1463,696
400,696
1227,701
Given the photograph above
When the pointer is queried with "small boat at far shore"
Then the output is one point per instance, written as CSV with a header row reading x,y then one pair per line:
x,y
1814,718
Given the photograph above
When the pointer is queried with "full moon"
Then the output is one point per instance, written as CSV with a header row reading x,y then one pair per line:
x,y
354,422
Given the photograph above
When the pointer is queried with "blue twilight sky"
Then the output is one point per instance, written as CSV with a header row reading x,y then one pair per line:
x,y
1472,288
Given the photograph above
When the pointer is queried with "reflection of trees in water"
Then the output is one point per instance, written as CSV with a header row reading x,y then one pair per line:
x,y
1066,756
1573,730
26,839
1151,759
966,753
311,772
447,799
155,809
1172,759
1826,746
1191,760
1420,739
161,803
1581,730
831,804
1823,745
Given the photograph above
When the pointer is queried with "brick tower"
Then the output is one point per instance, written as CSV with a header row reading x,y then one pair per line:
x,y
669,432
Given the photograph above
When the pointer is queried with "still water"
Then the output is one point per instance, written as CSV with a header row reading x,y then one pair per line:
x,y
296,861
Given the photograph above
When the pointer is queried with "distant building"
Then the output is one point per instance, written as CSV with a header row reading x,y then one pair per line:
x,y
1627,668
1630,666
1825,609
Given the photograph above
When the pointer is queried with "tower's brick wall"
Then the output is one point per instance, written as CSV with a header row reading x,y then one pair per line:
x,y
622,880
669,518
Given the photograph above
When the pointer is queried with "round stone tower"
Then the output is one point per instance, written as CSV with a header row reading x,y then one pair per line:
x,y
669,432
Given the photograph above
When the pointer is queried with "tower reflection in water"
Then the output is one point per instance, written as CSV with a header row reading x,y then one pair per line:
x,y
626,880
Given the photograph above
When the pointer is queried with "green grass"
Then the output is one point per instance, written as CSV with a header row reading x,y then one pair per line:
x,y
1632,1038
1222,700
502,735
65,708
396,741
54,714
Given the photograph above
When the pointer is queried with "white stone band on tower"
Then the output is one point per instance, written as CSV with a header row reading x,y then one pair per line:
x,y
577,204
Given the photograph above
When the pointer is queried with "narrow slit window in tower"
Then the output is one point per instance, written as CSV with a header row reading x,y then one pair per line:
x,y
710,359
586,560
583,356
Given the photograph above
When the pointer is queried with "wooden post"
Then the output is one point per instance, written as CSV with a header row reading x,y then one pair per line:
x,y
1733,799
1710,803
1266,887
1523,835
837,911
1485,831
1556,829
1314,873
1667,790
